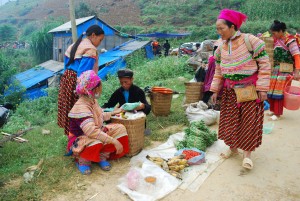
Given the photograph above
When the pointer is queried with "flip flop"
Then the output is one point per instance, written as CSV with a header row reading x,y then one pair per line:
x,y
247,163
105,165
84,169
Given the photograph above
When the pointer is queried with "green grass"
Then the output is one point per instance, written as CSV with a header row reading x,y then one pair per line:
x,y
58,171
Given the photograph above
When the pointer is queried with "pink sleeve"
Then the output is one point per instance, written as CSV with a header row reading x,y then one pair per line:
x,y
217,81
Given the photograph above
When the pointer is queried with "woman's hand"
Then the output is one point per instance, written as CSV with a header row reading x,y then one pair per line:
x,y
117,111
118,145
140,107
214,98
262,95
296,74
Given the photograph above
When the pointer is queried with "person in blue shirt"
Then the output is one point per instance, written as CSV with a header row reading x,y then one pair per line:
x,y
128,93
79,57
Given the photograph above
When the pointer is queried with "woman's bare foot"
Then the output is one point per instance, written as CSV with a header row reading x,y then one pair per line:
x,y
270,113
230,153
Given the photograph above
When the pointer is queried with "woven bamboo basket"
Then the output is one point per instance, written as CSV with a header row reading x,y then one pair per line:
x,y
269,48
135,130
193,92
160,103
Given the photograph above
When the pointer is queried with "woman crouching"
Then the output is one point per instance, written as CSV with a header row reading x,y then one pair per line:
x,y
89,139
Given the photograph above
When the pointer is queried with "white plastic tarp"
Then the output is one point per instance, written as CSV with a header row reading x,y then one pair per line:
x,y
193,176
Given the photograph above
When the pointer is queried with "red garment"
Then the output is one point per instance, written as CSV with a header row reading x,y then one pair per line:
x,y
276,106
66,98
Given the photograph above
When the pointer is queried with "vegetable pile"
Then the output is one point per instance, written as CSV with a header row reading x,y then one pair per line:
x,y
198,135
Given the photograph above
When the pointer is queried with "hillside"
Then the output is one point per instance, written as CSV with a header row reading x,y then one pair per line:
x,y
115,12
170,14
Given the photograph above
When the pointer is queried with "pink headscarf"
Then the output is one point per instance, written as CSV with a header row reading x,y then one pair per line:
x,y
237,18
86,82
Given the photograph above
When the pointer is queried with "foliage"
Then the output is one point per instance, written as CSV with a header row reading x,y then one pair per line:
x,y
7,33
197,135
34,112
84,10
42,42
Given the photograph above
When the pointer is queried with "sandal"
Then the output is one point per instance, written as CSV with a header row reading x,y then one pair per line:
x,y
84,169
247,163
274,118
229,154
105,165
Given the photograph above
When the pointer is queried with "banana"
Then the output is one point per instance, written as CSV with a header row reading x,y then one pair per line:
x,y
159,159
158,163
175,174
181,167
173,161
174,168
182,162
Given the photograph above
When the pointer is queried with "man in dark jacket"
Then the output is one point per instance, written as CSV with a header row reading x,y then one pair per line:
x,y
128,93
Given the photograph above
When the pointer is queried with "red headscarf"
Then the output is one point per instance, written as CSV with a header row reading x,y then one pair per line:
x,y
235,17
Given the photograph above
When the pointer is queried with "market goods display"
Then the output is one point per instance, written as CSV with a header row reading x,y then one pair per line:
x,y
197,135
173,165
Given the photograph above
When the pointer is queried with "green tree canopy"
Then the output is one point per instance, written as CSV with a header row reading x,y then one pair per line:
x,y
7,32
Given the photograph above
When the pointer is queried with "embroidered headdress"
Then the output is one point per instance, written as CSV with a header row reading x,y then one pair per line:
x,y
86,82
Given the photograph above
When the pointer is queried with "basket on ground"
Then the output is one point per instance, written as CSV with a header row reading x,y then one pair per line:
x,y
193,92
135,130
160,103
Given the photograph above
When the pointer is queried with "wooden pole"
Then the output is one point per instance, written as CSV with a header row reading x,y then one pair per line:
x,y
73,20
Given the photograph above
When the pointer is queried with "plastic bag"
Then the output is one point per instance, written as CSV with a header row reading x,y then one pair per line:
x,y
130,106
133,179
197,160
200,111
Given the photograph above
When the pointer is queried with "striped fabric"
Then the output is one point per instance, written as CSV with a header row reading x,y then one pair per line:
x,y
240,127
284,50
66,98
235,59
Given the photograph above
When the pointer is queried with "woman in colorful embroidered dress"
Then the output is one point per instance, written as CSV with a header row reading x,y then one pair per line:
x,y
286,50
89,139
79,57
240,124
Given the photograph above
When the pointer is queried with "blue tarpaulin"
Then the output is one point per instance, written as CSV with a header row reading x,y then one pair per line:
x,y
164,35
33,76
33,80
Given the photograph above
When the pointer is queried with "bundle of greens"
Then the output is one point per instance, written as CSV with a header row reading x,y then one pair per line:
x,y
198,135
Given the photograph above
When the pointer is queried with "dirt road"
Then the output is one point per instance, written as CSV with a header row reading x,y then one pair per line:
x,y
275,176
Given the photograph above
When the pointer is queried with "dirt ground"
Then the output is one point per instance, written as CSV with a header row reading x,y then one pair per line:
x,y
275,175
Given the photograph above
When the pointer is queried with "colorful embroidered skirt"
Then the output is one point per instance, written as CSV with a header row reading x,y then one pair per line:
x,y
240,127
66,98
92,152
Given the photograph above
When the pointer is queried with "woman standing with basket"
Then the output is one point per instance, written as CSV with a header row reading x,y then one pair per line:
x,y
245,75
286,65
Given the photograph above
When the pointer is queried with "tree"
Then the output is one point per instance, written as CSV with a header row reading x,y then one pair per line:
x,y
42,43
84,10
7,33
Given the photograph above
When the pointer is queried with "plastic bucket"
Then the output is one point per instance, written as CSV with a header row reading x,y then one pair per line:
x,y
291,100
